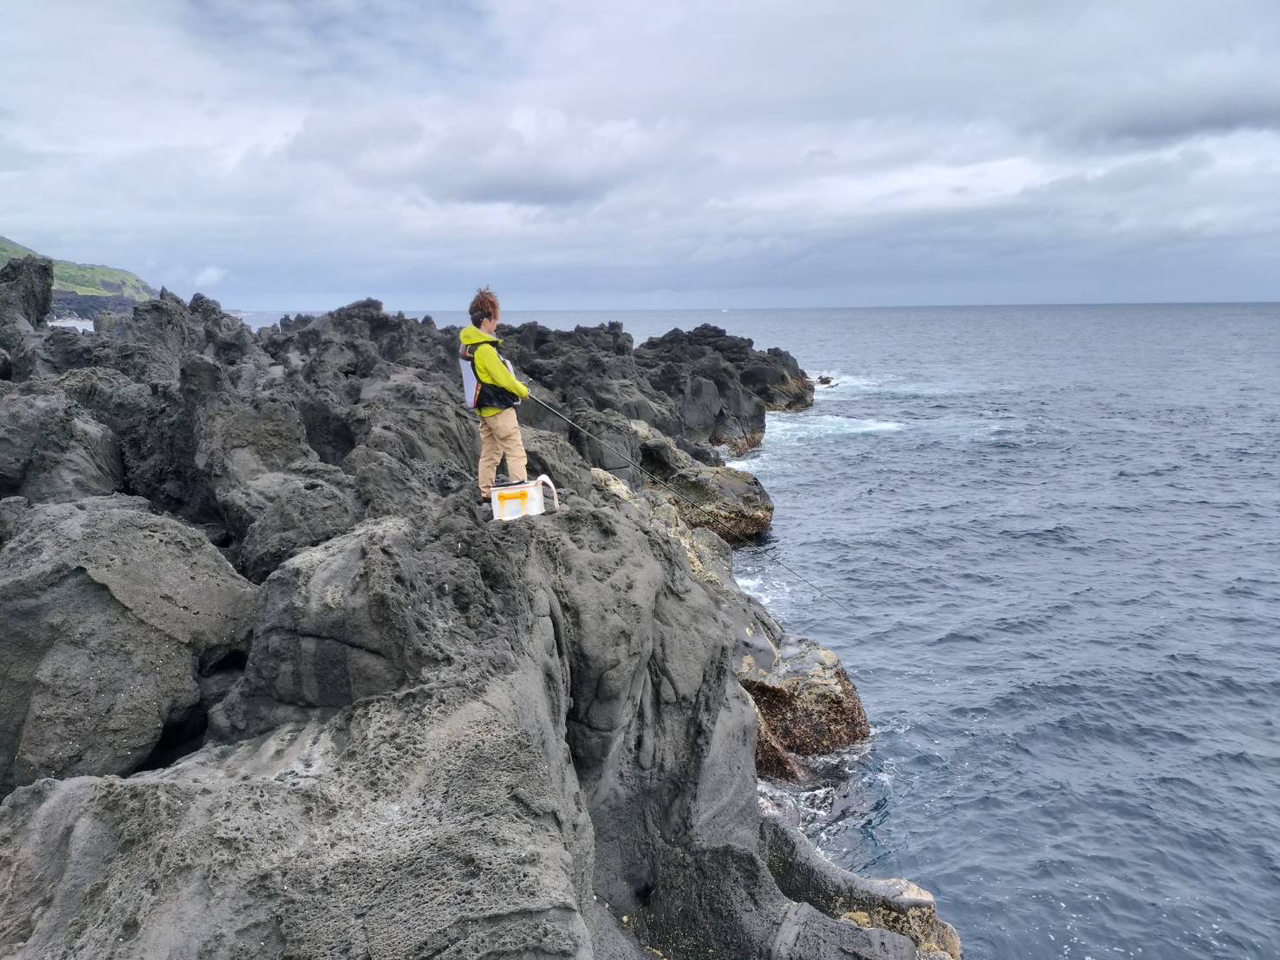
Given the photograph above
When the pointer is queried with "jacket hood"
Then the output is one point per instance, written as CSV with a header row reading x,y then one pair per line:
x,y
472,336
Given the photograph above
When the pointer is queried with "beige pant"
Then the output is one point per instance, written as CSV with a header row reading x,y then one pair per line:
x,y
500,434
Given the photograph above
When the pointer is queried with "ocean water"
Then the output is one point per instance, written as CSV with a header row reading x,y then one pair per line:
x,y
1056,532
1046,542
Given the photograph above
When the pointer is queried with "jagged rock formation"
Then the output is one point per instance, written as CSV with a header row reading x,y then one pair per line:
x,y
26,293
89,306
807,706
741,383
51,449
702,387
731,502
419,733
112,615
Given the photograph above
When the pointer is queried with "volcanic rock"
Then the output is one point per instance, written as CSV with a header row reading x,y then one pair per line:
x,y
807,705
85,306
110,612
26,293
304,509
896,905
427,734
776,378
50,351
730,502
704,386
52,450
703,371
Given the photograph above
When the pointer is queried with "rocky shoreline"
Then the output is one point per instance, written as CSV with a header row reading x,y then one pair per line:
x,y
276,686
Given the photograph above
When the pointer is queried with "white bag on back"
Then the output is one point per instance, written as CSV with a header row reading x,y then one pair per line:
x,y
471,386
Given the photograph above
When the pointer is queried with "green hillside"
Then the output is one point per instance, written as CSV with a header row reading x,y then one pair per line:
x,y
83,277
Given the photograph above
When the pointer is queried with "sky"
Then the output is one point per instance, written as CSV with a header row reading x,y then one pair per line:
x,y
301,154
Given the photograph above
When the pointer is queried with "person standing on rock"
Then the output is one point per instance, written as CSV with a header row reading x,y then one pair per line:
x,y
497,393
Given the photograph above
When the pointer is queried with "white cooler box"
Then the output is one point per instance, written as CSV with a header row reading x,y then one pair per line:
x,y
511,501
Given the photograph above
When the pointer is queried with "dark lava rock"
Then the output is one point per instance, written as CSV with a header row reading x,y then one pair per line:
x,y
704,386
808,705
303,511
26,294
425,734
730,502
109,612
54,350
776,378
52,450
721,384
83,306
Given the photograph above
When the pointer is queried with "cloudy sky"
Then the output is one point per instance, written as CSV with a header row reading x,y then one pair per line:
x,y
668,153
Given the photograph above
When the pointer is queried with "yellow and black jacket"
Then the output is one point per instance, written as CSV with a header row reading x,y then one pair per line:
x,y
498,387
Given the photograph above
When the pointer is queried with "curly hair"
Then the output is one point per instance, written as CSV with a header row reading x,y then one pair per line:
x,y
483,306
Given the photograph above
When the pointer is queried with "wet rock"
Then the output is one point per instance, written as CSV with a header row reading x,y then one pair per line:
x,y
51,450
773,759
896,905
109,611
732,503
776,378
808,705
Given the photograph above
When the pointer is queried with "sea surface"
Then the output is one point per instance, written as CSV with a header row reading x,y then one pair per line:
x,y
1046,542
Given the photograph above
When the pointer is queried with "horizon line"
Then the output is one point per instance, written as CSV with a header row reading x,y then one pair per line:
x,y
885,306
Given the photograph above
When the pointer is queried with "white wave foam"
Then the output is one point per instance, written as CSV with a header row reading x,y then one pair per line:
x,y
841,384
83,326
787,427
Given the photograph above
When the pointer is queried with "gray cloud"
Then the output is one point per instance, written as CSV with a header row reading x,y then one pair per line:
x,y
662,152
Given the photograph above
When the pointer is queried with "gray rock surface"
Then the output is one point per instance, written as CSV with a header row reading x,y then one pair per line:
x,y
703,386
807,706
721,385
110,612
26,295
428,735
83,306
52,450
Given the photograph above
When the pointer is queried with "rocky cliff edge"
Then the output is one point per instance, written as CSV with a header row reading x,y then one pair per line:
x,y
274,685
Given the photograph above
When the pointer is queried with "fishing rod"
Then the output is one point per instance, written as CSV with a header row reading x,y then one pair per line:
x,y
732,535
